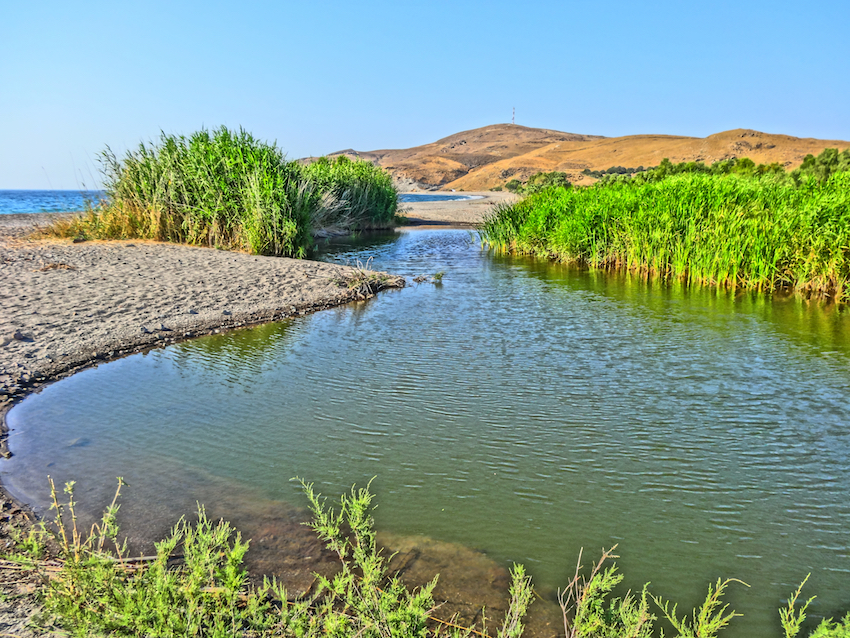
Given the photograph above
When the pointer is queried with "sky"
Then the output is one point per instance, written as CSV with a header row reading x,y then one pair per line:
x,y
317,77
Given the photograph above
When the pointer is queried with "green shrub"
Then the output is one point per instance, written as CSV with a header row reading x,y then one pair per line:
x,y
363,194
726,230
100,590
227,189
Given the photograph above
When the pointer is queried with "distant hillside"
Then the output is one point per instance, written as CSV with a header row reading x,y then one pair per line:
x,y
486,157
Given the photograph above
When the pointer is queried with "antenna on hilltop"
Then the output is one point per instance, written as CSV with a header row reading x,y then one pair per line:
x,y
513,116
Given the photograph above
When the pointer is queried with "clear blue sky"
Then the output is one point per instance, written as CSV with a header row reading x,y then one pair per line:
x,y
322,76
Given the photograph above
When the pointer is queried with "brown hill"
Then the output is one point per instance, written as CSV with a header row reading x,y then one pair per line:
x,y
490,156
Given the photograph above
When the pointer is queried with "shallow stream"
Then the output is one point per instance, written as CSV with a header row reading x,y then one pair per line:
x,y
519,407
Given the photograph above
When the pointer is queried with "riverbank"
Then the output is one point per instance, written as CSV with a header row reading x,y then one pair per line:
x,y
468,212
71,306
74,306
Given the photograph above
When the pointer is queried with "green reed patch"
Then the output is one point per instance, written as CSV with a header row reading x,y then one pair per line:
x,y
724,230
227,189
370,198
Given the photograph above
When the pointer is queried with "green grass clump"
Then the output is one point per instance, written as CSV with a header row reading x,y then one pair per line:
x,y
369,198
229,190
195,585
724,230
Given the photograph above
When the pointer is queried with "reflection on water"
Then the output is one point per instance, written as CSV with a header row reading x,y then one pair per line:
x,y
521,407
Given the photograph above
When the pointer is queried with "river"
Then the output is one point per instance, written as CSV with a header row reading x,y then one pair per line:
x,y
517,406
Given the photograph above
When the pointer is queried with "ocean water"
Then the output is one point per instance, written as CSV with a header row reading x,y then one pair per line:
x,y
52,201
14,202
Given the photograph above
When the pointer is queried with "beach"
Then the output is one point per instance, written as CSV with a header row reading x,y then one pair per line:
x,y
465,212
67,305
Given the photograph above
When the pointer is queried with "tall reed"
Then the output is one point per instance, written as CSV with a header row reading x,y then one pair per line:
x,y
722,230
227,189
364,192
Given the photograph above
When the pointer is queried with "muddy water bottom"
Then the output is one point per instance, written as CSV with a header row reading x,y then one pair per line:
x,y
518,408
472,589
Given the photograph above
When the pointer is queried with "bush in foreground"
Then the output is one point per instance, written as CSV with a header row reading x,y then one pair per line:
x,y
101,590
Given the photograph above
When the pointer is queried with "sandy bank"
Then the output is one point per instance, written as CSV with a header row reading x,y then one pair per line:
x,y
65,306
457,213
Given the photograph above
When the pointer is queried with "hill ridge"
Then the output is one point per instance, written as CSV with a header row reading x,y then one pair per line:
x,y
487,157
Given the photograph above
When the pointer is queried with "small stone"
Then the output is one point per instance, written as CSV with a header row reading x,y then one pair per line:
x,y
193,311
145,330
20,336
226,312
163,328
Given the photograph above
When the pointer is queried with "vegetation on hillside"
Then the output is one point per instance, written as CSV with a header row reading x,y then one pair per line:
x,y
538,182
195,585
227,189
731,226
821,167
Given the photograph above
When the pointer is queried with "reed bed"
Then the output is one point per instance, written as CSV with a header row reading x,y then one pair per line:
x,y
367,194
227,189
723,230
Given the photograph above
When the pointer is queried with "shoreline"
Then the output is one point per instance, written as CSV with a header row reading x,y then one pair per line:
x,y
68,307
85,322
468,212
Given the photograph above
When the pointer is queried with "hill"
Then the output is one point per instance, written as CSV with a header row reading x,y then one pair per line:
x,y
486,157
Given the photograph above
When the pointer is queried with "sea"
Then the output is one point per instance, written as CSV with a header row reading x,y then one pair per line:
x,y
13,202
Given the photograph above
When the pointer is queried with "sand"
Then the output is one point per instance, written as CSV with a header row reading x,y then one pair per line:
x,y
457,213
66,306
